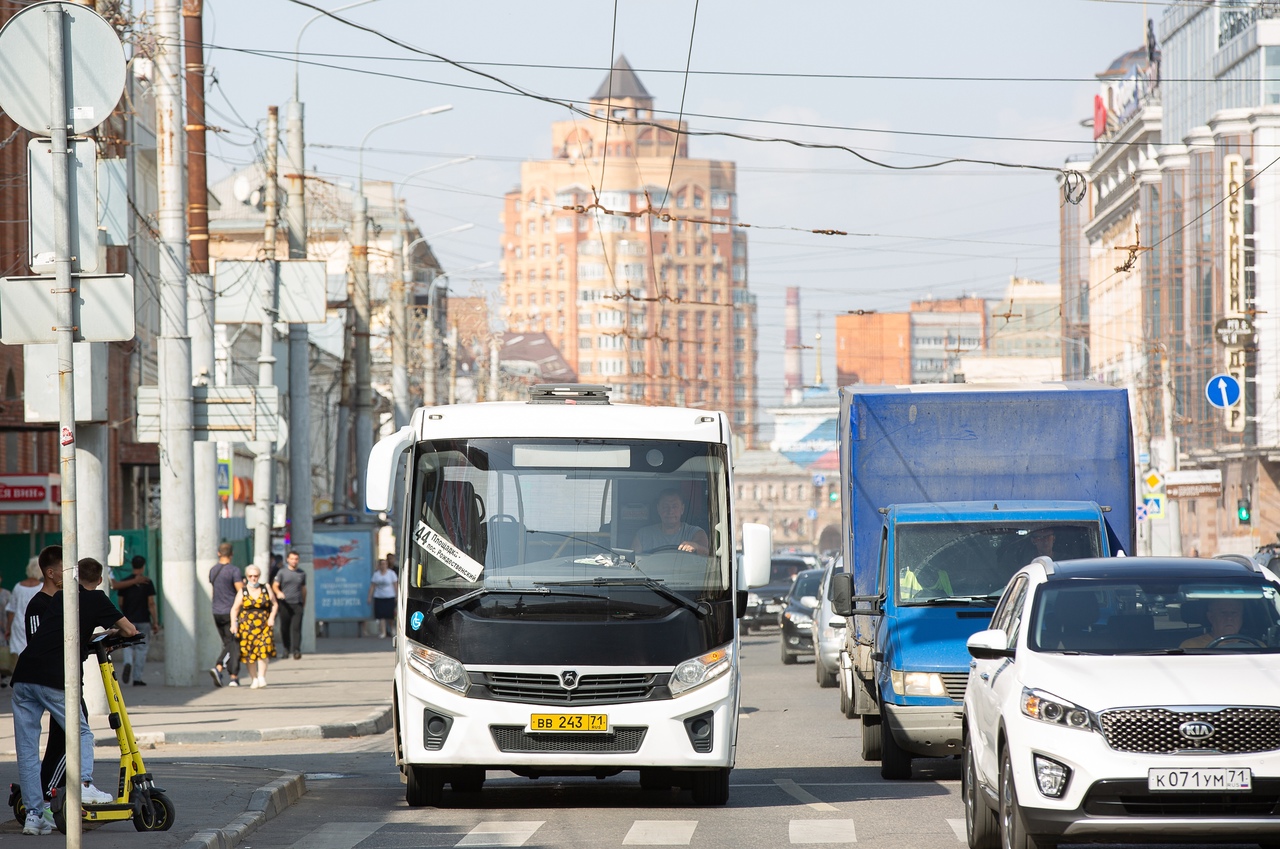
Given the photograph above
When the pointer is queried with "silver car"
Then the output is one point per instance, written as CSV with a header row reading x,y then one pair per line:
x,y
828,630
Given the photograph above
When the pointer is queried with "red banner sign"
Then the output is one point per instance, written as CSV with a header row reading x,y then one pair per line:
x,y
30,494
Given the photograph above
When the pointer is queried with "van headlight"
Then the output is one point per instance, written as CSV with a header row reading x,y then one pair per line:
x,y
440,668
917,683
695,672
1045,707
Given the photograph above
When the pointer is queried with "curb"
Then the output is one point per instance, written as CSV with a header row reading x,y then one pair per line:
x,y
376,722
267,801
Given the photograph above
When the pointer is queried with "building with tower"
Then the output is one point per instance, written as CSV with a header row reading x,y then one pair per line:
x,y
621,249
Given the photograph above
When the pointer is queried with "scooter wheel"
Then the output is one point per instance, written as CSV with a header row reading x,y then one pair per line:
x,y
160,816
15,802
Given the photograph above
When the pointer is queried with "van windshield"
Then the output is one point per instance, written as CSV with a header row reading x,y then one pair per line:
x,y
545,513
974,560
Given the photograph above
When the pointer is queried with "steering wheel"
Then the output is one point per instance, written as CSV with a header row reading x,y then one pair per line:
x,y
670,548
1236,638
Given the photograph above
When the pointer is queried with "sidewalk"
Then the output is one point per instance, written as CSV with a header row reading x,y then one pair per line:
x,y
343,689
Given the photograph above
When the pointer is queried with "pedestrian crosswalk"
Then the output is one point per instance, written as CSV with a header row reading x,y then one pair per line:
x,y
514,833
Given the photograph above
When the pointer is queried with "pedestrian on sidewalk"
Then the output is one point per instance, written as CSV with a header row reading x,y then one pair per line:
x,y
382,595
38,687
227,583
138,601
290,588
253,620
16,609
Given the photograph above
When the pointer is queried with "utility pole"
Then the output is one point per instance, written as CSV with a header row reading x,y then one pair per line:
x,y
177,504
200,308
264,461
430,355
1169,462
363,387
301,537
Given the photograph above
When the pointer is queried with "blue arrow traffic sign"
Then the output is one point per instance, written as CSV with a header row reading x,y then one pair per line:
x,y
1222,390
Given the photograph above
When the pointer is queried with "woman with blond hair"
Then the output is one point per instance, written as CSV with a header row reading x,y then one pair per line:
x,y
253,621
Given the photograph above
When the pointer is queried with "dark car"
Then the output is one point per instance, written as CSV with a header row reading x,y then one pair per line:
x,y
796,618
765,603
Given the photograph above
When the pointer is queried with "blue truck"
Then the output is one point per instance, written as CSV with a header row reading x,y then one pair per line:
x,y
948,490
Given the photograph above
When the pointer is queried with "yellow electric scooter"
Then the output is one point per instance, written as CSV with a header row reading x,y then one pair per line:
x,y
137,798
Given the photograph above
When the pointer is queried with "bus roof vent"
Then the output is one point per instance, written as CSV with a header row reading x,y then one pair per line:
x,y
569,393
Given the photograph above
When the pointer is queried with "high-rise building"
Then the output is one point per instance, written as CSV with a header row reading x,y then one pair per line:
x,y
622,250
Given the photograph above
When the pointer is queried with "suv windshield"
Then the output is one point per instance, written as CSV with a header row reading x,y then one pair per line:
x,y
807,583
1156,616
569,513
976,559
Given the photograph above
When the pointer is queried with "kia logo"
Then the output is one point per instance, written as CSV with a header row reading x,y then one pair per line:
x,y
1196,730
569,680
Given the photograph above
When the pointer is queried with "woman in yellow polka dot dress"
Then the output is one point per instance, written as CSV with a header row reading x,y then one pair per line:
x,y
253,621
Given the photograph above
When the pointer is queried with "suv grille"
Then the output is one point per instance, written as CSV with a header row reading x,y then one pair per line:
x,y
546,689
955,682
513,738
1155,730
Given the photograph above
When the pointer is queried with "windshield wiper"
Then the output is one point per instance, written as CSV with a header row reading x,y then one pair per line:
x,y
536,589
648,583
957,599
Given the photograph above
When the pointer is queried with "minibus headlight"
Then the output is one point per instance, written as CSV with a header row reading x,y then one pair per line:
x,y
695,672
440,668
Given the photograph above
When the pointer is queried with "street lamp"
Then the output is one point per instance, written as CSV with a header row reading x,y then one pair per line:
x,y
360,306
297,44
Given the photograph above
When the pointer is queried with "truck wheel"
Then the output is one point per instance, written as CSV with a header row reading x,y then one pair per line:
x,y
788,659
826,678
871,734
711,787
895,762
846,702
425,786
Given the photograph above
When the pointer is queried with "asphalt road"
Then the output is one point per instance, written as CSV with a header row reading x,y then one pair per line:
x,y
799,780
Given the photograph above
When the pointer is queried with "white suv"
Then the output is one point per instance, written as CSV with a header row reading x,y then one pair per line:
x,y
1126,699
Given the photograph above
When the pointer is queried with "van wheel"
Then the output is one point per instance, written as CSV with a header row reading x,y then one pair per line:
x,y
871,734
846,702
425,786
743,628
895,762
826,678
711,787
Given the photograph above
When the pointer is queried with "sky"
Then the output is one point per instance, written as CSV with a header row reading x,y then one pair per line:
x,y
903,84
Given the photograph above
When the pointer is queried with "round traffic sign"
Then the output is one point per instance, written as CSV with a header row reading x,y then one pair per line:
x,y
1222,390
93,67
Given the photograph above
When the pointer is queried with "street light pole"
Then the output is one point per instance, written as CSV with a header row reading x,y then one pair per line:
x,y
361,309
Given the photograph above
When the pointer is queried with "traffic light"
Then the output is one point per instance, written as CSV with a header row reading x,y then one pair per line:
x,y
1242,511
833,496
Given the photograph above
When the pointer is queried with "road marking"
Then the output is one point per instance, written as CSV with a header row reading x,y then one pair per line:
x,y
500,833
799,793
823,831
958,827
660,833
338,835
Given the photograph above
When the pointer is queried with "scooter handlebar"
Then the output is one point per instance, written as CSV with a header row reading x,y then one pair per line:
x,y
111,641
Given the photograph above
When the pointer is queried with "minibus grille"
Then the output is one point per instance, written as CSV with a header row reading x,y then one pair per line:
x,y
623,741
549,689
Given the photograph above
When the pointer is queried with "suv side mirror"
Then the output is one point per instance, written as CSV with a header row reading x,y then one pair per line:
x,y
990,645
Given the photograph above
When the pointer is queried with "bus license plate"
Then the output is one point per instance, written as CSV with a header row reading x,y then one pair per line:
x,y
555,723
1199,779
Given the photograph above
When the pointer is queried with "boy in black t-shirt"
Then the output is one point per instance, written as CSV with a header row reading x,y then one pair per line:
x,y
38,687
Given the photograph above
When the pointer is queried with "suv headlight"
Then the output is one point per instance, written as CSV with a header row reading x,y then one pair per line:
x,y
917,683
695,672
440,668
1046,707
800,620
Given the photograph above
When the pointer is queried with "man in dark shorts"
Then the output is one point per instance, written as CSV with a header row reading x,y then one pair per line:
x,y
227,581
138,601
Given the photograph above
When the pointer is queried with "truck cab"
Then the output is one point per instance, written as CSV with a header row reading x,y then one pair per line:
x,y
942,569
